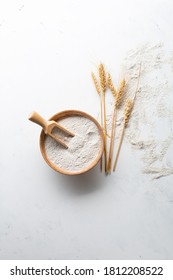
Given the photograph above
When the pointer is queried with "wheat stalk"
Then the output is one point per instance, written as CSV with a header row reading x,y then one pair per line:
x,y
119,147
98,89
127,112
102,76
117,102
114,92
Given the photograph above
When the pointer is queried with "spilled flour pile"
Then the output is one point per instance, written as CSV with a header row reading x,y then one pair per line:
x,y
83,148
150,129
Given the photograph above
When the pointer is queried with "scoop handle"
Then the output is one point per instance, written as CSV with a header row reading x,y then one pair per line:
x,y
36,118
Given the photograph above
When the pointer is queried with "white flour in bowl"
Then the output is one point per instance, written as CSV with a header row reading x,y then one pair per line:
x,y
83,148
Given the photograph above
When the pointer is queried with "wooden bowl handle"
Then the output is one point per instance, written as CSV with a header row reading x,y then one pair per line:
x,y
36,118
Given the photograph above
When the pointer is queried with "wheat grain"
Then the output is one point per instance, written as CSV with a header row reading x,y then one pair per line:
x,y
111,85
102,75
98,89
127,111
120,93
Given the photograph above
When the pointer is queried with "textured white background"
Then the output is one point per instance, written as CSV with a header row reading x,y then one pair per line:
x,y
47,51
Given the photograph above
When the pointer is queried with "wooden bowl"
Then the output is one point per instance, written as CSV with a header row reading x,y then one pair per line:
x,y
62,115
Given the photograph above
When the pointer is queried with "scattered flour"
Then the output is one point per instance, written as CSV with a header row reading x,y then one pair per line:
x,y
83,148
150,128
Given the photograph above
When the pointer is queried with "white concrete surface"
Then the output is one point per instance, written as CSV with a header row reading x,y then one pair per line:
x,y
47,51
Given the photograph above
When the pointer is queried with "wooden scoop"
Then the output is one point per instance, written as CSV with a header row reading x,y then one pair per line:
x,y
48,127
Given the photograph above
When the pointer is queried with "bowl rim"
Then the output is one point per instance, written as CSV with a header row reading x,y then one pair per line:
x,y
61,115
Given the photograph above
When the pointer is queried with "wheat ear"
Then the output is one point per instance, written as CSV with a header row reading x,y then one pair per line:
x,y
111,85
102,75
127,112
98,89
120,93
